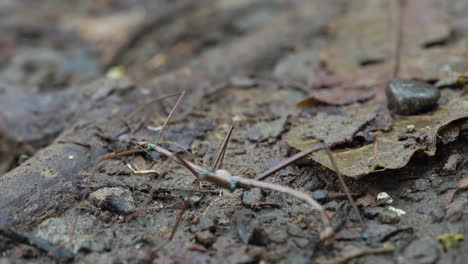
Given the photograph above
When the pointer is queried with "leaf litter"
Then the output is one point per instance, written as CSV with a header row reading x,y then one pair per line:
x,y
390,150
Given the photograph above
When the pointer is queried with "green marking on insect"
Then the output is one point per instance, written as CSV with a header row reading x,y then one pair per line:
x,y
233,184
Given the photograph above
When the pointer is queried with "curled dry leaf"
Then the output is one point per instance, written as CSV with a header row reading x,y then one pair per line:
x,y
390,150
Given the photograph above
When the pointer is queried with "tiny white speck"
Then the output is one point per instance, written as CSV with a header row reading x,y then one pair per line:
x,y
70,157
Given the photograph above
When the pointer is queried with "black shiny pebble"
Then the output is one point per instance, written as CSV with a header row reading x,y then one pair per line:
x,y
407,97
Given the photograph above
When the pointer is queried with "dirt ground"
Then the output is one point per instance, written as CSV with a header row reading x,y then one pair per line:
x,y
285,74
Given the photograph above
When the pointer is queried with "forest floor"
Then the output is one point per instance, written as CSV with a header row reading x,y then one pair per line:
x,y
287,75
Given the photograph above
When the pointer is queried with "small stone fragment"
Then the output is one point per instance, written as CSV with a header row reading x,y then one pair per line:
x,y
195,200
455,209
420,185
414,197
453,162
407,97
246,227
252,197
204,223
387,216
115,199
437,215
205,237
301,242
331,206
384,198
295,230
371,212
320,196
279,236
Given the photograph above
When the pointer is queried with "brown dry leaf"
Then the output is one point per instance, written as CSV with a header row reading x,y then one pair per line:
x,y
333,129
390,150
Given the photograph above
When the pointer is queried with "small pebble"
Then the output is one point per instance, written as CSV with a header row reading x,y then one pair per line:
x,y
195,200
301,242
331,206
371,212
205,237
115,199
320,196
278,236
455,209
446,186
384,198
204,223
414,197
252,197
453,162
387,216
420,185
437,215
407,97
295,230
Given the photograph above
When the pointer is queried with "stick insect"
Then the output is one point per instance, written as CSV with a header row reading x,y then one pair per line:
x,y
225,179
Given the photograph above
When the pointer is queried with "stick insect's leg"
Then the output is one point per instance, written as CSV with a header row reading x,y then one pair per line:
x,y
288,162
184,208
222,150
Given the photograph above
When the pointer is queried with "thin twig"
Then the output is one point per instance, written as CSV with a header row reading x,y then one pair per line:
x,y
222,150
